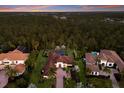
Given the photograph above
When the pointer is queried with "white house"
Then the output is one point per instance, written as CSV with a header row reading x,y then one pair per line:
x,y
13,59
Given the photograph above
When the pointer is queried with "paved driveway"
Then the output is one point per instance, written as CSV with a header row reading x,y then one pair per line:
x,y
59,78
113,79
3,79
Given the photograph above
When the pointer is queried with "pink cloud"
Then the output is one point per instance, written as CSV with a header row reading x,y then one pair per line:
x,y
27,8
108,6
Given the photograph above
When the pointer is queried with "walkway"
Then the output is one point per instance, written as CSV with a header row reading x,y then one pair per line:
x,y
3,79
60,74
113,79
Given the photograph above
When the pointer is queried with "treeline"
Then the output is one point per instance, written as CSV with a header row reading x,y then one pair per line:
x,y
76,31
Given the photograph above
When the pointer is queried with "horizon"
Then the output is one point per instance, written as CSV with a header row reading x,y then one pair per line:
x,y
61,8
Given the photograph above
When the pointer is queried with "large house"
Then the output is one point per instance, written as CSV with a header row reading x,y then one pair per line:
x,y
109,58
57,60
106,58
15,59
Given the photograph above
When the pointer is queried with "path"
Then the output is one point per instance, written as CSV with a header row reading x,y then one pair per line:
x,y
59,78
113,79
3,79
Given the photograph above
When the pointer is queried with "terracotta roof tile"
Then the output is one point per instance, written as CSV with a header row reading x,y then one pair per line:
x,y
20,68
90,58
14,55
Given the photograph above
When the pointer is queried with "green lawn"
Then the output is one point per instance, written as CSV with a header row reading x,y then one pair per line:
x,y
82,71
100,83
121,84
36,73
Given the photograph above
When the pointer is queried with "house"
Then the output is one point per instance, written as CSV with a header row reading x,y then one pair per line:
x,y
15,59
106,58
56,60
91,63
110,58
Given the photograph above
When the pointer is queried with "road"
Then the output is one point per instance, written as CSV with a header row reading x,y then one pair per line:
x,y
113,79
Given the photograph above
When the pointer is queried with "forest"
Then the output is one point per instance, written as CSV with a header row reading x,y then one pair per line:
x,y
89,31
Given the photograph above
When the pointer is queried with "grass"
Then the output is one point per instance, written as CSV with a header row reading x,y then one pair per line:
x,y
121,83
69,83
82,71
36,73
99,82
47,83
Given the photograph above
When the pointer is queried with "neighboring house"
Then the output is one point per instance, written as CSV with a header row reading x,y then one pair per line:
x,y
15,59
106,58
109,58
57,60
92,64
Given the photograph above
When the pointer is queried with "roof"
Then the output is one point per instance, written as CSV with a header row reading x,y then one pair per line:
x,y
14,55
113,57
20,68
93,67
106,56
53,58
64,59
90,58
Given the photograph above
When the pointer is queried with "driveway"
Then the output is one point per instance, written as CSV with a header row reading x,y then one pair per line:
x,y
113,79
3,79
60,74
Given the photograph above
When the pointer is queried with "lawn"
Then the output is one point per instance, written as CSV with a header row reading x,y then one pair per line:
x,y
36,73
99,82
82,71
121,83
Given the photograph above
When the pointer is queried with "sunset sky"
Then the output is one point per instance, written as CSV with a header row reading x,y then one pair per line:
x,y
59,8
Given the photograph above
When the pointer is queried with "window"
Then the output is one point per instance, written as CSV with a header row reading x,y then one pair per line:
x,y
6,62
16,62
103,64
95,73
110,64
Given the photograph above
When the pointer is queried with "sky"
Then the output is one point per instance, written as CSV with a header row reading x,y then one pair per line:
x,y
59,8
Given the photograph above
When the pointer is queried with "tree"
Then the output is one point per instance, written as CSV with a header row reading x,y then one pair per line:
x,y
10,72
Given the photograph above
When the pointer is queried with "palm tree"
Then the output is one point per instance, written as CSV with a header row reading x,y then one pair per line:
x,y
52,72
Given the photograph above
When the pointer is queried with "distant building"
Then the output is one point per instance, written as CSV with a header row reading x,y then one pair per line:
x,y
15,59
108,20
63,17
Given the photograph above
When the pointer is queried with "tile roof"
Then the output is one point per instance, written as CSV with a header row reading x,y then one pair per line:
x,y
113,57
90,58
20,68
14,55
53,58
93,67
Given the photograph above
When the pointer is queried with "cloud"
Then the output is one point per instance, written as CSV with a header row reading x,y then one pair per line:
x,y
22,8
108,6
58,8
